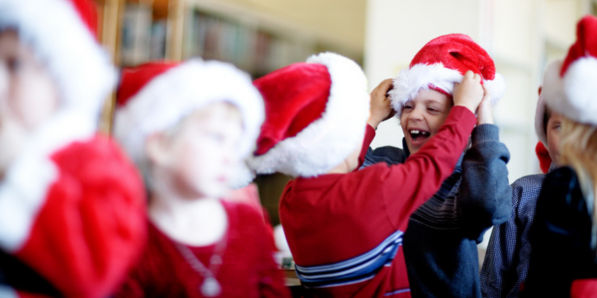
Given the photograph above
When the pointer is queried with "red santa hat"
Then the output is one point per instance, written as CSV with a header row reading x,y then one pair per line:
x,y
570,86
443,62
156,96
316,115
62,34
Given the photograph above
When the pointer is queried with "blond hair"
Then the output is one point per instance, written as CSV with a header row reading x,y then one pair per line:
x,y
578,149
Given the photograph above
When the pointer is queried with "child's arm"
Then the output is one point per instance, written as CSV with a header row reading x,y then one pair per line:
x,y
485,197
405,187
380,109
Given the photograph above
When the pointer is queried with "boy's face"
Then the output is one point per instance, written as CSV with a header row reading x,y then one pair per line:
x,y
554,125
201,155
28,95
422,117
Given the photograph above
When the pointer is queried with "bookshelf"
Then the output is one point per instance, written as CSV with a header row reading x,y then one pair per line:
x,y
137,31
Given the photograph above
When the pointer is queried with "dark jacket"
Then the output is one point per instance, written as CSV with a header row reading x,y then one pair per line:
x,y
560,238
440,244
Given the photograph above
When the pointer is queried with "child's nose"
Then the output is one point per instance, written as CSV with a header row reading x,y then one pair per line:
x,y
416,114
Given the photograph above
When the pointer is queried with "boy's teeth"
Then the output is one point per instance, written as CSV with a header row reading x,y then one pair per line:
x,y
414,131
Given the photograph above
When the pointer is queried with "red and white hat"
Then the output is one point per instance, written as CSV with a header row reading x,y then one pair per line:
x,y
316,114
570,86
441,63
62,34
156,96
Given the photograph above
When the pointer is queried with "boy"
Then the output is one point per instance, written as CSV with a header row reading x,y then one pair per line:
x,y
507,259
440,245
344,227
71,204
187,126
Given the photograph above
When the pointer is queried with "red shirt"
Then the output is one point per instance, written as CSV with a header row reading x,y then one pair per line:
x,y
344,230
248,268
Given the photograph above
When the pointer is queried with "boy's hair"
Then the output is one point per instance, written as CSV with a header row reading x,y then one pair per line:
x,y
579,151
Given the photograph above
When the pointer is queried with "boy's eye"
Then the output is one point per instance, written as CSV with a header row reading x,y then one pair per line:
x,y
407,107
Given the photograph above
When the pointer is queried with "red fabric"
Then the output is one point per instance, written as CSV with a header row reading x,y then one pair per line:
x,y
586,43
91,227
584,288
301,91
134,79
369,135
361,209
458,52
248,268
543,156
87,11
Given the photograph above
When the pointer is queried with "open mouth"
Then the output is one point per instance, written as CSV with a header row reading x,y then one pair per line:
x,y
418,135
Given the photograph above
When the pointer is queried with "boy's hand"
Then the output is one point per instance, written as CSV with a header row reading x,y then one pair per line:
x,y
380,105
485,111
469,93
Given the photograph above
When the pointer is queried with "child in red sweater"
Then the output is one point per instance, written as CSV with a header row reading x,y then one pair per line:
x,y
187,126
72,207
345,227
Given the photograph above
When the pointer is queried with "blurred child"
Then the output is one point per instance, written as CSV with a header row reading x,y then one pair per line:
x,y
564,233
507,258
440,245
71,204
187,126
344,227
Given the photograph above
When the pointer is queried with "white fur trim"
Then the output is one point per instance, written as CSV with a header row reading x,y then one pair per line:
x,y
242,176
580,88
60,39
175,94
410,81
24,189
552,89
327,141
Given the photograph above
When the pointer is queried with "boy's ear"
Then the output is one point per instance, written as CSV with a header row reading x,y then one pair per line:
x,y
156,148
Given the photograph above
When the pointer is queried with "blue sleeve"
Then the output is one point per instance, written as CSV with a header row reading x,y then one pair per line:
x,y
507,258
485,196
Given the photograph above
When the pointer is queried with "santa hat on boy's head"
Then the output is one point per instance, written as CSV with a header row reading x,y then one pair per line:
x,y
570,86
316,115
62,34
443,62
156,96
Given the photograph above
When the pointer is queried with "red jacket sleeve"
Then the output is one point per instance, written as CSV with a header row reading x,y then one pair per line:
x,y
405,187
91,226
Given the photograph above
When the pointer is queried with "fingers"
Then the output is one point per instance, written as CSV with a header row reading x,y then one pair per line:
x,y
486,95
470,75
385,86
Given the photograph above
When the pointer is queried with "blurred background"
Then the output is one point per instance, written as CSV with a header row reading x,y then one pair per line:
x,y
260,36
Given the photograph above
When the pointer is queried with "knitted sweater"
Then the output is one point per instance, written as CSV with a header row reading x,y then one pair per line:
x,y
440,245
